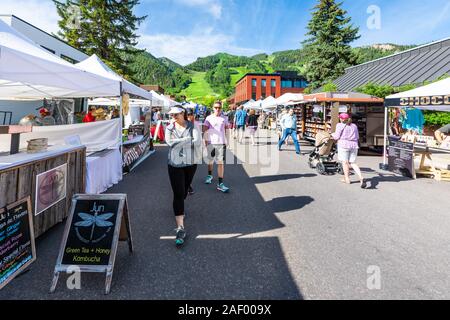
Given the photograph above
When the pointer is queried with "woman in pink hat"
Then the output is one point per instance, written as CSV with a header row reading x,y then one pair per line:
x,y
347,136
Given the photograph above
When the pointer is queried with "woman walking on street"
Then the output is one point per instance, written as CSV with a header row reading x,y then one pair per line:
x,y
252,125
183,139
347,136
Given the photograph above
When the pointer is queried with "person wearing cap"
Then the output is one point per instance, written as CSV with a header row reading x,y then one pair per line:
x,y
289,127
216,126
347,135
191,118
183,139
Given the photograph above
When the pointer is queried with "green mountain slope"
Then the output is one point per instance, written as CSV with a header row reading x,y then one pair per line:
x,y
215,76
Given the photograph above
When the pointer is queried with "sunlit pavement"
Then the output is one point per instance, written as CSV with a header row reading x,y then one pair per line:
x,y
284,232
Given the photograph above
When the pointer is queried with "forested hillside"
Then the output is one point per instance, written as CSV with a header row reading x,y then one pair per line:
x,y
215,76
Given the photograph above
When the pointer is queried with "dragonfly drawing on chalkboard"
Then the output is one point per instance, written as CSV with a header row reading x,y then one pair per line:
x,y
94,220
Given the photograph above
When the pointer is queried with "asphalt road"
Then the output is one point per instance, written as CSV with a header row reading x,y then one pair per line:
x,y
283,232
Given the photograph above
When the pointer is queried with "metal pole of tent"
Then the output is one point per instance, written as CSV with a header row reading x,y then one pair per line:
x,y
386,119
121,121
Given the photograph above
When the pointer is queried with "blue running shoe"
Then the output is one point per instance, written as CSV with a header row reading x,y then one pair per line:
x,y
180,237
209,179
221,187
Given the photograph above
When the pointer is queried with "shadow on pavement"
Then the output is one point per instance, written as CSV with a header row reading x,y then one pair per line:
x,y
373,183
224,257
285,204
283,177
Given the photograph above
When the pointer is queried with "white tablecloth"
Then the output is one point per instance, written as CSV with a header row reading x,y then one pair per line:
x,y
102,172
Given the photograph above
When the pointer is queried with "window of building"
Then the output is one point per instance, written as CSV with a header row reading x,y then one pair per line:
x,y
69,59
273,83
254,96
50,50
286,83
254,83
263,83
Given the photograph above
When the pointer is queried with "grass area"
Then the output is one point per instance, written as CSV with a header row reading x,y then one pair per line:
x,y
199,87
241,71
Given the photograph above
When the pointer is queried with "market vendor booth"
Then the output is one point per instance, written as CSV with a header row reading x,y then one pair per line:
x,y
413,148
31,164
320,112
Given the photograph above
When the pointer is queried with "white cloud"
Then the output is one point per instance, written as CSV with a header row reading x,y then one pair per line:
x,y
214,7
186,49
41,14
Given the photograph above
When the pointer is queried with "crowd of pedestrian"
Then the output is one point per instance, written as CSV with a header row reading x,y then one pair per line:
x,y
187,138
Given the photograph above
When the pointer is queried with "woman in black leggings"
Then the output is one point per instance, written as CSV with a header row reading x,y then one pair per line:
x,y
184,140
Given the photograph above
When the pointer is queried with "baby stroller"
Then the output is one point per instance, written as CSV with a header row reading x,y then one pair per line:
x,y
322,158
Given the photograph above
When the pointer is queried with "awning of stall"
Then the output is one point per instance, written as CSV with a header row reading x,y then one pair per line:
x,y
28,71
288,99
345,97
95,65
435,96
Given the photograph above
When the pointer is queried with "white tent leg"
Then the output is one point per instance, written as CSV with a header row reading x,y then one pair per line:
x,y
385,136
121,123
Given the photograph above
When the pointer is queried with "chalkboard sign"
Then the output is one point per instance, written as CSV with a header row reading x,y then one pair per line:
x,y
401,157
17,248
95,225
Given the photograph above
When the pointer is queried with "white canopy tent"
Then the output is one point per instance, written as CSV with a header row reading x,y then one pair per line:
x,y
269,103
289,99
248,104
435,96
255,105
95,65
28,71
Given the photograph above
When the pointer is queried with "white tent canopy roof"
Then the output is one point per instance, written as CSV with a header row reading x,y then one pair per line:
x,y
95,65
269,103
290,98
28,71
116,102
439,89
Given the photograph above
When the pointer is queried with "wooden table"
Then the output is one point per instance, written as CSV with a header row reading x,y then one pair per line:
x,y
431,170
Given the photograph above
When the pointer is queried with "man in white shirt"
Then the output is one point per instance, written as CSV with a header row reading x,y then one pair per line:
x,y
289,127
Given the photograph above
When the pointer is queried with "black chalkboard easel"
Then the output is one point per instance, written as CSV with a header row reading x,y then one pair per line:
x,y
93,230
17,247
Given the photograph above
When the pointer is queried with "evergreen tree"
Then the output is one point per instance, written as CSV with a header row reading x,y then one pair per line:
x,y
102,27
328,50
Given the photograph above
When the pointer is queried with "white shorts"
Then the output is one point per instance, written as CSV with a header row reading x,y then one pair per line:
x,y
349,155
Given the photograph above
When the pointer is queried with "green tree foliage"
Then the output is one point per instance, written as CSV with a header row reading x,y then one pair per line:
x,y
330,87
291,60
366,54
436,118
106,28
220,80
147,69
328,50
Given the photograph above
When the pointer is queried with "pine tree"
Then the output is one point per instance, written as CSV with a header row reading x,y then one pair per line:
x,y
328,50
102,27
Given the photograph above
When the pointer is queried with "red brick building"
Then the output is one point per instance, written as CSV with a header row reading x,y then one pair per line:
x,y
260,86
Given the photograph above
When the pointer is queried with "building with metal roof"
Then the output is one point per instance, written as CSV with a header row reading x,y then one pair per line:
x,y
414,66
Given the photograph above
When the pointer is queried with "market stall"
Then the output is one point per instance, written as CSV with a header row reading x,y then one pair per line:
x,y
412,149
49,165
295,101
321,113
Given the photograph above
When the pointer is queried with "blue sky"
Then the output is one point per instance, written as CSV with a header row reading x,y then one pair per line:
x,y
186,29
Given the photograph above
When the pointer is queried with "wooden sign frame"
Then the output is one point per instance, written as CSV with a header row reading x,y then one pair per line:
x,y
33,245
122,232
